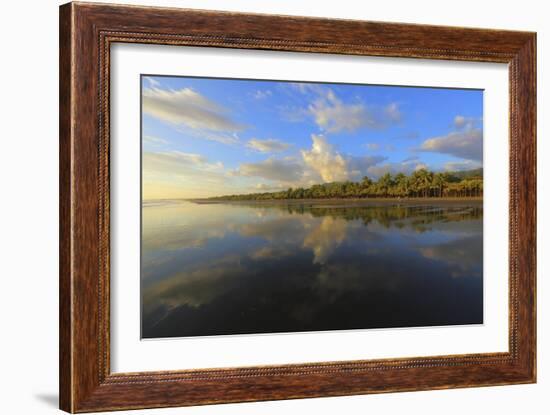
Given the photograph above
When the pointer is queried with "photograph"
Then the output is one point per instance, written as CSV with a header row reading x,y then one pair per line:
x,y
275,207
285,206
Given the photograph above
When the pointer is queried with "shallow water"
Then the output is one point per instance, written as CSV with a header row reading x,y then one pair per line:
x,y
211,269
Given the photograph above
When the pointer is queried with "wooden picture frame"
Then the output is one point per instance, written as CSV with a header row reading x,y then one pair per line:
x,y
86,33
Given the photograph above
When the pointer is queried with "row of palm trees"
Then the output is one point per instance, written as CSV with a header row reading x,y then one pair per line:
x,y
421,183
390,215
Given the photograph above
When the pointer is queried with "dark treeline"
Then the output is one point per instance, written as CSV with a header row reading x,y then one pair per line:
x,y
421,183
391,215
417,217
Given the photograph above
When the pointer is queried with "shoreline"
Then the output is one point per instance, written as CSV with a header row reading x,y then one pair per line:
x,y
351,201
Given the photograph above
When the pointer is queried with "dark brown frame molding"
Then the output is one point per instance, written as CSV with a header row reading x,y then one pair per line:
x,y
86,33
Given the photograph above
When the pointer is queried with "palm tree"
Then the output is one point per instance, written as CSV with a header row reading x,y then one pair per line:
x,y
424,181
439,183
420,183
385,182
402,184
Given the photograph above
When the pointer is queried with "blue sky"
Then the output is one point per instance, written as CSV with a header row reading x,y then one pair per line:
x,y
205,137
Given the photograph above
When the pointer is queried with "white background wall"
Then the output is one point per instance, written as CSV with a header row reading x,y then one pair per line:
x,y
29,192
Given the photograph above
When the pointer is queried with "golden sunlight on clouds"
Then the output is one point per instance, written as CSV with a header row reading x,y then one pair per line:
x,y
176,175
325,238
329,164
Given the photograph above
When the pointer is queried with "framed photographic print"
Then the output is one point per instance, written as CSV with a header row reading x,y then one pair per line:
x,y
261,207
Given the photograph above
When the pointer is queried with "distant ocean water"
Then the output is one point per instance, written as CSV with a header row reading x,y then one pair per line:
x,y
161,202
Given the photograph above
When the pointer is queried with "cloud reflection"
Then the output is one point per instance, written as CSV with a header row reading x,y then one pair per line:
x,y
325,238
308,267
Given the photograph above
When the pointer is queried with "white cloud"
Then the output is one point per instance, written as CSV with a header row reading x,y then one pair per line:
x,y
177,162
293,113
150,139
393,113
272,169
406,166
270,145
152,81
320,163
460,121
358,167
330,165
333,115
193,288
325,238
373,146
189,109
220,137
467,123
305,87
463,255
262,94
467,144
